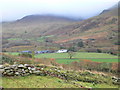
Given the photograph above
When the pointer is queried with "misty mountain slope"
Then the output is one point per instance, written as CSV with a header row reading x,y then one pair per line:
x,y
103,29
102,23
57,30
44,18
112,11
34,25
26,30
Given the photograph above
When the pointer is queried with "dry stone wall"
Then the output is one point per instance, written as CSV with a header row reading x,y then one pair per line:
x,y
42,70
19,70
27,69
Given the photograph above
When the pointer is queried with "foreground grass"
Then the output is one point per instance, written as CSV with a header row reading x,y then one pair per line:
x,y
88,85
46,82
35,82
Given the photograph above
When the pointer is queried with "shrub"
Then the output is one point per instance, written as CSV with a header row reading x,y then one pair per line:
x,y
25,55
72,49
6,59
71,54
80,44
99,51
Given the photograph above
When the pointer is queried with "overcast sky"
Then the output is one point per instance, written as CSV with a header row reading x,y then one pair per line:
x,y
16,9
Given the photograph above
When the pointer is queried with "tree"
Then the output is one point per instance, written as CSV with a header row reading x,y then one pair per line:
x,y
72,49
71,54
99,51
61,47
80,44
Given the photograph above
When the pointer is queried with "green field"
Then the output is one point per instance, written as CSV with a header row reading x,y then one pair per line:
x,y
12,53
88,85
64,57
35,82
66,60
77,55
41,39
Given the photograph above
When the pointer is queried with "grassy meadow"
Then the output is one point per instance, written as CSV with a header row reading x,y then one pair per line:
x,y
64,57
35,82
77,55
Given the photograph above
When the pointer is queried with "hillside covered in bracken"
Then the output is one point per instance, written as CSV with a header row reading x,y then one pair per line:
x,y
56,32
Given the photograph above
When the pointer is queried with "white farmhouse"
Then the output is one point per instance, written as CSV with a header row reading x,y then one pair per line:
x,y
62,51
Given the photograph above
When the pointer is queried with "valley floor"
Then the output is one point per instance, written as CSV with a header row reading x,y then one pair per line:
x,y
64,57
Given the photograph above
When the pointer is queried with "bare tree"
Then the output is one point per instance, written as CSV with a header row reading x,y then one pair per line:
x,y
71,54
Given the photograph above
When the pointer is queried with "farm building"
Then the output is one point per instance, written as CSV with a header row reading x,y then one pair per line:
x,y
37,52
44,51
62,51
26,51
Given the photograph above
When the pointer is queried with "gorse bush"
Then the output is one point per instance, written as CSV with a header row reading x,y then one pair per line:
x,y
6,59
26,59
26,55
93,66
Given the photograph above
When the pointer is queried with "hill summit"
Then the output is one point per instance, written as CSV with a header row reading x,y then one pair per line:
x,y
46,18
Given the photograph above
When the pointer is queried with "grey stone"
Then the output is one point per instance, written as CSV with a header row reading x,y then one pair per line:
x,y
10,73
26,74
2,70
19,70
26,70
29,68
37,72
33,69
23,70
26,65
7,71
114,77
30,71
11,70
7,68
1,66
20,66
13,66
